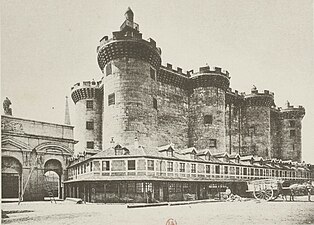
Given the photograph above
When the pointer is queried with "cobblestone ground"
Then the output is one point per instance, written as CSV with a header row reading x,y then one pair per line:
x,y
236,213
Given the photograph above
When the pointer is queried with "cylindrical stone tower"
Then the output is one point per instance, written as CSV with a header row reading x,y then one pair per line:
x,y
291,145
130,66
207,109
256,132
88,111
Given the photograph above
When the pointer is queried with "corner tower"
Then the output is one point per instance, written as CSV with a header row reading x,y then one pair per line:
x,y
291,136
87,98
130,66
256,117
207,109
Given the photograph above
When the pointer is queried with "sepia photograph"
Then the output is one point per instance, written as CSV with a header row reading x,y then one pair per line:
x,y
157,112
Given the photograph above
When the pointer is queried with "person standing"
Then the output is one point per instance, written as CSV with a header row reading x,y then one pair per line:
x,y
309,190
228,192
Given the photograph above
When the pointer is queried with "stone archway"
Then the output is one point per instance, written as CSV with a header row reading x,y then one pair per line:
x,y
11,174
53,172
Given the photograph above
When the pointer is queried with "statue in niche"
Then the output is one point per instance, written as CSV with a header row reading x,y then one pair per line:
x,y
6,107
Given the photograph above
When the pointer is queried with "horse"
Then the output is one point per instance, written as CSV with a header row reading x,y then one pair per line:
x,y
297,189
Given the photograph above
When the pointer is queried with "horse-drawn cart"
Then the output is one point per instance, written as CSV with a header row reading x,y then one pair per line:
x,y
267,189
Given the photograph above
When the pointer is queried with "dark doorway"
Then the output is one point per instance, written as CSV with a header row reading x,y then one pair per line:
x,y
157,191
165,192
10,185
11,173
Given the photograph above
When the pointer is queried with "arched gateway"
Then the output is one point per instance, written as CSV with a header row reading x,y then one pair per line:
x,y
11,177
34,158
52,178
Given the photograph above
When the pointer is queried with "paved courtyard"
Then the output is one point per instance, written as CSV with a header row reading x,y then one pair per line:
x,y
249,212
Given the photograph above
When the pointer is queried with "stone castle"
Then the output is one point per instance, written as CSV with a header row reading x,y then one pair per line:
x,y
139,100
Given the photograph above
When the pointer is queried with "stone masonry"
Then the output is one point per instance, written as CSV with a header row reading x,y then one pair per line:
x,y
140,99
29,149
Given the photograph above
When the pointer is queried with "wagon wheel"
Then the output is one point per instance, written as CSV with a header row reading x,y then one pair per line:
x,y
275,195
265,194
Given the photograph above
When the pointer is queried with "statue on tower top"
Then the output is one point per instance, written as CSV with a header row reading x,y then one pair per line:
x,y
129,21
129,15
254,90
6,106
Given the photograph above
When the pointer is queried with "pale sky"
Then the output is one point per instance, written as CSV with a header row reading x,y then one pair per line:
x,y
47,46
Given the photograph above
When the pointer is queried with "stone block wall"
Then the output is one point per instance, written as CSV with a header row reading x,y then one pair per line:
x,y
291,145
275,134
207,101
83,115
33,127
172,115
256,131
233,128
132,115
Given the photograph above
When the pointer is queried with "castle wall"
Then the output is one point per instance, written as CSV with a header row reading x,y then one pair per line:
x,y
168,105
275,134
256,131
207,101
81,132
88,116
291,145
132,115
172,115
233,128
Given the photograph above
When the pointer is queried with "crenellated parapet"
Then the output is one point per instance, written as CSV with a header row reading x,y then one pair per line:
x,y
174,77
234,97
85,90
256,98
128,43
129,48
210,77
292,112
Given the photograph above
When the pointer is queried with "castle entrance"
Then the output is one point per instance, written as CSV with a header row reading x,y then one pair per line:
x,y
53,172
11,177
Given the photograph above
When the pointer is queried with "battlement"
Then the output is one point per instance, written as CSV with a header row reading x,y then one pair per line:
x,y
234,97
178,70
85,90
292,112
83,84
289,107
129,47
256,98
235,92
255,92
211,70
298,108
172,77
118,36
210,77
